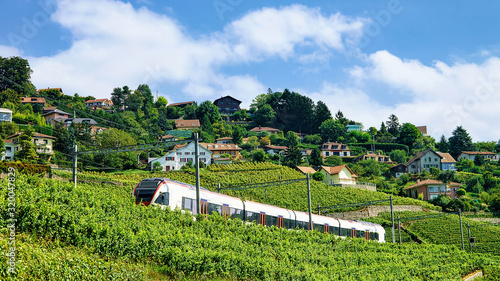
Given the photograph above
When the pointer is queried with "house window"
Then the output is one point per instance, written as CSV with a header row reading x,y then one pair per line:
x,y
202,153
327,153
179,153
186,153
433,188
8,149
170,158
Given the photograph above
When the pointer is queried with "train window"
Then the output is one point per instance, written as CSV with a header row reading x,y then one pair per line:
x,y
235,213
214,208
360,233
302,225
318,227
251,216
189,204
288,223
345,232
162,199
271,220
334,230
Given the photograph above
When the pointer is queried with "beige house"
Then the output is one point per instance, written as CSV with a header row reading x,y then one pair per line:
x,y
56,115
338,175
375,156
472,155
218,149
43,143
431,189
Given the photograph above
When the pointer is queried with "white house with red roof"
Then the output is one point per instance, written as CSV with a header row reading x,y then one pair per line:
x,y
99,103
335,149
180,155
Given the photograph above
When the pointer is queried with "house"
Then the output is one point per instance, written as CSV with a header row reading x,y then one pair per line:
x,y
224,140
422,130
33,101
227,105
305,152
306,170
98,103
374,156
5,115
398,170
274,149
260,129
47,109
218,150
43,143
56,115
182,104
180,155
10,149
354,127
167,138
447,162
431,189
187,124
338,175
424,161
333,148
472,155
79,121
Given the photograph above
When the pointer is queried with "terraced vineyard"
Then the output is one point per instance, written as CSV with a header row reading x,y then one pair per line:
x,y
292,196
446,231
103,231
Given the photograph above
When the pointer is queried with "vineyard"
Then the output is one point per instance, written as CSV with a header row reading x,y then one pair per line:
x,y
292,196
96,232
446,231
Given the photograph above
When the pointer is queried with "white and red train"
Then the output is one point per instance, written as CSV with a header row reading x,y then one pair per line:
x,y
164,191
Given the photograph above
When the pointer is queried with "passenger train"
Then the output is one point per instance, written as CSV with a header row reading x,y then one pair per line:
x,y
164,191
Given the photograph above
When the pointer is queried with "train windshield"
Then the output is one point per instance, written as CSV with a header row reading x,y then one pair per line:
x,y
145,190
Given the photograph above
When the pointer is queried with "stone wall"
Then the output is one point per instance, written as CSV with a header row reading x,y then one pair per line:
x,y
373,211
492,220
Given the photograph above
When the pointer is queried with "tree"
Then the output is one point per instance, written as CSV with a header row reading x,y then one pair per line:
x,y
8,129
443,145
209,109
332,130
2,147
398,155
460,141
118,96
258,155
321,114
27,147
10,95
333,161
318,176
240,115
134,101
393,125
461,192
264,141
237,135
189,111
479,160
408,134
15,74
316,159
161,102
312,139
293,157
383,129
265,115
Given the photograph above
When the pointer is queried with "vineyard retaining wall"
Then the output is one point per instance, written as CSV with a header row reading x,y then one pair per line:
x,y
373,211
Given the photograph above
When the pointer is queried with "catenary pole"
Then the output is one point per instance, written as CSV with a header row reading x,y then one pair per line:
x,y
75,162
309,202
197,168
461,229
392,220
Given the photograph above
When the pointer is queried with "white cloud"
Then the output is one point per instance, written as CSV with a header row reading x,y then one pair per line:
x,y
440,96
115,45
8,51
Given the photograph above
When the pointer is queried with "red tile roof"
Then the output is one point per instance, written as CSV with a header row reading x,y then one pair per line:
x,y
33,100
306,170
337,169
447,158
187,123
431,181
264,129
478,152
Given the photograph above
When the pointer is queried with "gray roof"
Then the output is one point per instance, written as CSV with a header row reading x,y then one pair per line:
x,y
81,120
57,111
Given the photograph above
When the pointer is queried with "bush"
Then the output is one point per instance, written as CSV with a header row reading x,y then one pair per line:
x,y
318,176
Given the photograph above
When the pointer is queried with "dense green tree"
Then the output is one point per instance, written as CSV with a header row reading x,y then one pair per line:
x,y
15,74
333,161
174,112
293,156
318,176
237,135
10,95
398,156
240,115
8,129
2,147
134,101
479,160
316,159
312,139
63,142
190,112
443,145
460,141
441,201
383,129
321,114
209,109
408,135
258,155
161,102
332,130
27,150
206,126
393,125
118,96
265,115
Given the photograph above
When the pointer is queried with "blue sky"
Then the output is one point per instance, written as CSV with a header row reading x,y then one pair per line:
x,y
433,63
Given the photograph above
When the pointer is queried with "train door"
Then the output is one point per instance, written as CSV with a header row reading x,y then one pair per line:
x,y
280,222
353,232
367,235
262,219
225,210
326,228
203,206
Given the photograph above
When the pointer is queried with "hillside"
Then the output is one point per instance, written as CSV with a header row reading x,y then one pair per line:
x,y
292,196
102,221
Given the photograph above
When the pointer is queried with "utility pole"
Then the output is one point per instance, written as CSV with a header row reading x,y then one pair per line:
x,y
75,159
392,220
461,230
309,202
197,168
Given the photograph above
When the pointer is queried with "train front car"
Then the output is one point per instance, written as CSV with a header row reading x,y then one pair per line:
x,y
146,190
